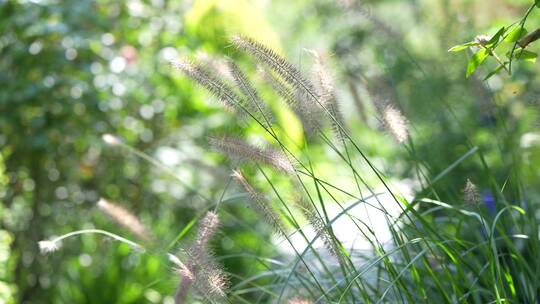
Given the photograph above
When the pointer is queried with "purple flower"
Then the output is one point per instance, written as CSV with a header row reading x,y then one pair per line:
x,y
489,201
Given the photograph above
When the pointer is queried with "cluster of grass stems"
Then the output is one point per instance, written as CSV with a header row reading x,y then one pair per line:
x,y
440,252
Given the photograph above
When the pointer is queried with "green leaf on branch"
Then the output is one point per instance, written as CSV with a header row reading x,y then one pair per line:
x,y
495,71
526,56
461,47
516,34
495,39
476,60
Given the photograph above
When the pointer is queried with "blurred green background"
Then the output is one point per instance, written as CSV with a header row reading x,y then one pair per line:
x,y
71,71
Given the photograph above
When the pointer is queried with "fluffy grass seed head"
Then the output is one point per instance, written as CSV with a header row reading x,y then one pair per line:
x,y
260,203
222,91
240,149
208,227
277,63
321,75
48,246
218,283
200,271
309,115
323,232
186,281
396,124
307,103
124,218
471,192
219,65
280,88
256,105
299,301
326,91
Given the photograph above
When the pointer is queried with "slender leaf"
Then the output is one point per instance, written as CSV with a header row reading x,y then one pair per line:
x,y
516,34
464,46
476,60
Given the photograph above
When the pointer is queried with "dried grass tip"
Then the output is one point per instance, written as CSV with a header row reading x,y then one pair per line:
x,y
124,218
48,246
471,193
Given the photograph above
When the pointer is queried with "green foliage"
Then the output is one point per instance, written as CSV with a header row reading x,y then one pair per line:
x,y
512,40
7,288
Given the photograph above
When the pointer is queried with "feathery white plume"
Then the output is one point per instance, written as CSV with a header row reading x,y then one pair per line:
x,y
47,246
111,139
124,218
237,147
396,124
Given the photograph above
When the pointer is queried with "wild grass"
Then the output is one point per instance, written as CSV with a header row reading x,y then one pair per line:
x,y
432,252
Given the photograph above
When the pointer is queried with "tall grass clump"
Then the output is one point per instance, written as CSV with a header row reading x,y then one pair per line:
x,y
348,234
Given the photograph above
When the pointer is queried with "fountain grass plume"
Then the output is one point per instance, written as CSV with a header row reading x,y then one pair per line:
x,y
396,124
256,106
470,192
276,62
200,271
299,301
318,225
326,91
48,246
237,147
260,203
308,114
124,218
221,90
